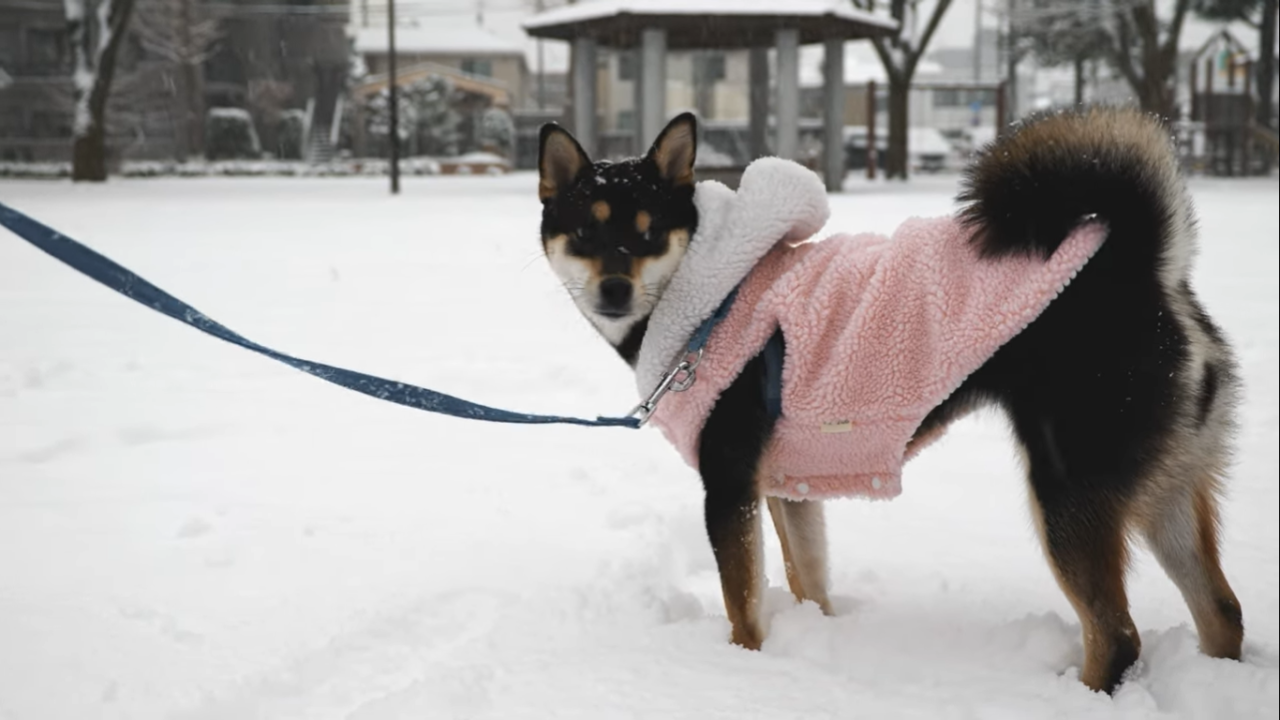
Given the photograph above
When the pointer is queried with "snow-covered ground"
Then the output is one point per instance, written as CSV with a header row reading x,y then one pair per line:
x,y
191,531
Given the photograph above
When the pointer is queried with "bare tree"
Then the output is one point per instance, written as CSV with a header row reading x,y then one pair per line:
x,y
185,35
1145,51
95,45
900,54
1064,34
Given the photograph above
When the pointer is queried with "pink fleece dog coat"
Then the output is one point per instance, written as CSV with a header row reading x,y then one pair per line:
x,y
879,331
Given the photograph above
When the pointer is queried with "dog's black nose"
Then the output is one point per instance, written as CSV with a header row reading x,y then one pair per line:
x,y
615,294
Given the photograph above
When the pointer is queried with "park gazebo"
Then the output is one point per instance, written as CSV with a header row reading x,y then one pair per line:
x,y
652,28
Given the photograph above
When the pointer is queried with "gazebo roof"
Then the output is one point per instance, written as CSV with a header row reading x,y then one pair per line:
x,y
708,24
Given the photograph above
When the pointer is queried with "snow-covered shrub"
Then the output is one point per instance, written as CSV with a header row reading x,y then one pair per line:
x,y
229,134
290,143
428,124
497,131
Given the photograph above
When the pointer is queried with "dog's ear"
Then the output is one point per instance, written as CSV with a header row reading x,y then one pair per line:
x,y
560,159
675,149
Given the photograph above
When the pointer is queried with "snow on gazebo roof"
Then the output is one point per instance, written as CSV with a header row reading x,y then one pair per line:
x,y
436,38
708,24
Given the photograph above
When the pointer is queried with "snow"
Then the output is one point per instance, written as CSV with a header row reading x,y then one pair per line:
x,y
594,9
436,37
191,531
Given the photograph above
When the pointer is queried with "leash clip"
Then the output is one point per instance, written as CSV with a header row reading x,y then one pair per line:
x,y
679,378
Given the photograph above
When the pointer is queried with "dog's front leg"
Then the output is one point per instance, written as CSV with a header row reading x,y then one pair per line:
x,y
732,444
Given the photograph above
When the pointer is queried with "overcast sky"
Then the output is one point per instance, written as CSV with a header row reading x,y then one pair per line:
x,y
503,17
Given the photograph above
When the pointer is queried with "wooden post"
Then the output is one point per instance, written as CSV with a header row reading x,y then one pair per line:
x,y
758,128
1246,123
394,95
871,129
1001,106
1195,92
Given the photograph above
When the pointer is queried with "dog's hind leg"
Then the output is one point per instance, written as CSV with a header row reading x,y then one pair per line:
x,y
1085,542
1081,512
803,534
1181,529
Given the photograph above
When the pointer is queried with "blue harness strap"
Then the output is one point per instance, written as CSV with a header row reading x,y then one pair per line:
x,y
125,282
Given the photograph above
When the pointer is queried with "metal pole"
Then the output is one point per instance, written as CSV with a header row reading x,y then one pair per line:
x,y
393,91
977,41
542,64
871,129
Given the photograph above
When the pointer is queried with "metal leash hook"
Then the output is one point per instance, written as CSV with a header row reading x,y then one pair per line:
x,y
679,378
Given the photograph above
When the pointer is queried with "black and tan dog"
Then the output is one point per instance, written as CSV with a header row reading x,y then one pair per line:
x,y
1121,393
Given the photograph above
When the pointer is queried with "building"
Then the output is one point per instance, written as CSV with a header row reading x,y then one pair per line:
x,y
460,49
35,64
260,55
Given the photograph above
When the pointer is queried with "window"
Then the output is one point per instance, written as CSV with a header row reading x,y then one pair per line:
x,y
50,125
626,120
46,52
714,66
626,65
10,42
963,97
13,123
475,66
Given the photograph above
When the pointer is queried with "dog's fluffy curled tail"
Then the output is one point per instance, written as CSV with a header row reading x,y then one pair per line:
x,y
1026,191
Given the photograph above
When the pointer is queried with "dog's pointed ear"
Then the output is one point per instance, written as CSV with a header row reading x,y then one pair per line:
x,y
560,160
676,148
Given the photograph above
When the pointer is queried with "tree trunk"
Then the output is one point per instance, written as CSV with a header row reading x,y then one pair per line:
x,y
896,161
193,108
89,146
89,154
1156,95
1079,68
1266,63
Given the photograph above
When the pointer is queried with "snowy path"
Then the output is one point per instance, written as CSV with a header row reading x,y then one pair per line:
x,y
191,531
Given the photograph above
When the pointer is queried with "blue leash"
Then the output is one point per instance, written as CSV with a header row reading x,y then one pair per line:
x,y
124,281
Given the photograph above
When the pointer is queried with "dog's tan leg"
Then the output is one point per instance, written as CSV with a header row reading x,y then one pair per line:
x,y
1182,531
735,540
1085,542
803,534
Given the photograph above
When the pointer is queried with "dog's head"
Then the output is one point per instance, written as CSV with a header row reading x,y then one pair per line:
x,y
615,232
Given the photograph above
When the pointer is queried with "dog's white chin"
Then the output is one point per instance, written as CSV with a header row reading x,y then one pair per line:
x,y
614,329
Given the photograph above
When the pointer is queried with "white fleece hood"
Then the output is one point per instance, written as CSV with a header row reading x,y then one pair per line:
x,y
777,201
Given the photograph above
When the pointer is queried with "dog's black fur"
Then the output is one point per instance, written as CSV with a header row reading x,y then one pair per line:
x,y
1121,393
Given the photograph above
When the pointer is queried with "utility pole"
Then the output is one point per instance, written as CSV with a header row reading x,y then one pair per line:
x,y
542,64
977,41
394,94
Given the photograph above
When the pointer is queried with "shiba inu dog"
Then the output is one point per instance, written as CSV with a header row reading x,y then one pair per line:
x,y
1120,389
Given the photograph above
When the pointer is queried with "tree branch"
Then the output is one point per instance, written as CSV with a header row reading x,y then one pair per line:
x,y
1169,53
1122,49
938,11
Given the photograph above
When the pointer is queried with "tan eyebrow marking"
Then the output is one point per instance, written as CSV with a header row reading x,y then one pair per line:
x,y
601,210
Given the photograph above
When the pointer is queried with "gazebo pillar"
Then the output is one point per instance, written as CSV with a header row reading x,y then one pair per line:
x,y
833,165
758,126
788,105
639,140
653,84
584,92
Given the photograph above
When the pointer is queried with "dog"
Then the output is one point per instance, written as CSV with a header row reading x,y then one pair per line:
x,y
1121,391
